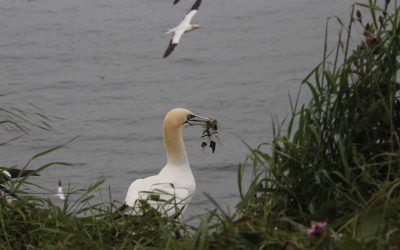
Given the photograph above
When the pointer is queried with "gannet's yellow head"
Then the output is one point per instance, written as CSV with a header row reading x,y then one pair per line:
x,y
174,122
194,26
178,117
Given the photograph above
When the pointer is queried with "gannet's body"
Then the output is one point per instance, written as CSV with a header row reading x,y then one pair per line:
x,y
184,26
172,189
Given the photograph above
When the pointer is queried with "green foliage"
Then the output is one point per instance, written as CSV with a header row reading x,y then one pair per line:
x,y
33,222
342,162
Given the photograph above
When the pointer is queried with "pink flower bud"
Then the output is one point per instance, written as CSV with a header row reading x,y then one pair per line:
x,y
316,228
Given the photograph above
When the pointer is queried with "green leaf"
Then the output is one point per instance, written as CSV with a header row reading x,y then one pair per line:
x,y
369,224
351,244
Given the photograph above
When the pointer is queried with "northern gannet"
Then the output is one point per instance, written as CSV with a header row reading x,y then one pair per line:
x,y
184,26
12,173
171,190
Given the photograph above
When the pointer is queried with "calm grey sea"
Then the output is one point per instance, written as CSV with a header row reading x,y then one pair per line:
x,y
95,68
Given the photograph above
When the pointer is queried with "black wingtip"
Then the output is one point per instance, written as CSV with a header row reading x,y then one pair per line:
x,y
176,1
170,48
59,183
196,5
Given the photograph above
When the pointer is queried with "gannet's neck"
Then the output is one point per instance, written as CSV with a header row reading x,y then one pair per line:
x,y
174,146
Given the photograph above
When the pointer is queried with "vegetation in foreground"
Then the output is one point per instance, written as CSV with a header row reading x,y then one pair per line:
x,y
328,180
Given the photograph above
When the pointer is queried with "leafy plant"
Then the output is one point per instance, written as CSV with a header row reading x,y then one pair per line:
x,y
341,163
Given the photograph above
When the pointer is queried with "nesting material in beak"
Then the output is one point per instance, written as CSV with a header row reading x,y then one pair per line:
x,y
210,128
210,133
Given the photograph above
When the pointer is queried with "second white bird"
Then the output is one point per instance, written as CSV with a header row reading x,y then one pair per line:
x,y
184,26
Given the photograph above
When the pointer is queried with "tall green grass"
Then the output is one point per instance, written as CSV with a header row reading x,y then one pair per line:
x,y
338,159
335,160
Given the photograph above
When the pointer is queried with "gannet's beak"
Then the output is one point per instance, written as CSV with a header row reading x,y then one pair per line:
x,y
193,119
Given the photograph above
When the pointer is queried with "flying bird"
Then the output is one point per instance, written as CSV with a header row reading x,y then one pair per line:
x,y
170,191
184,26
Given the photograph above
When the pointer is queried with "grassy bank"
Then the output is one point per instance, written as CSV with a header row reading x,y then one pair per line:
x,y
330,179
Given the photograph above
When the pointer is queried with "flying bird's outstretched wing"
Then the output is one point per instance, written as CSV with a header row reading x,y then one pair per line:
x,y
189,16
173,42
170,48
196,5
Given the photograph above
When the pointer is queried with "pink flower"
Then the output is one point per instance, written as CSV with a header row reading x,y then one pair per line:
x,y
369,38
316,228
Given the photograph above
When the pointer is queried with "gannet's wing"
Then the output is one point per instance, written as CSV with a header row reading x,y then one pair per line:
x,y
174,42
189,16
169,49
167,199
5,176
163,197
133,191
11,173
15,172
196,5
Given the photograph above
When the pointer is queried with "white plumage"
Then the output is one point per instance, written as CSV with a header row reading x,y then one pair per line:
x,y
173,187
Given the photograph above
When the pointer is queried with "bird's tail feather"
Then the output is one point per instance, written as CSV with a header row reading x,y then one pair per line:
x,y
170,31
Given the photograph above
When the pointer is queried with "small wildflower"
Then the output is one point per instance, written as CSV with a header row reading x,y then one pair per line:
x,y
369,38
317,227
